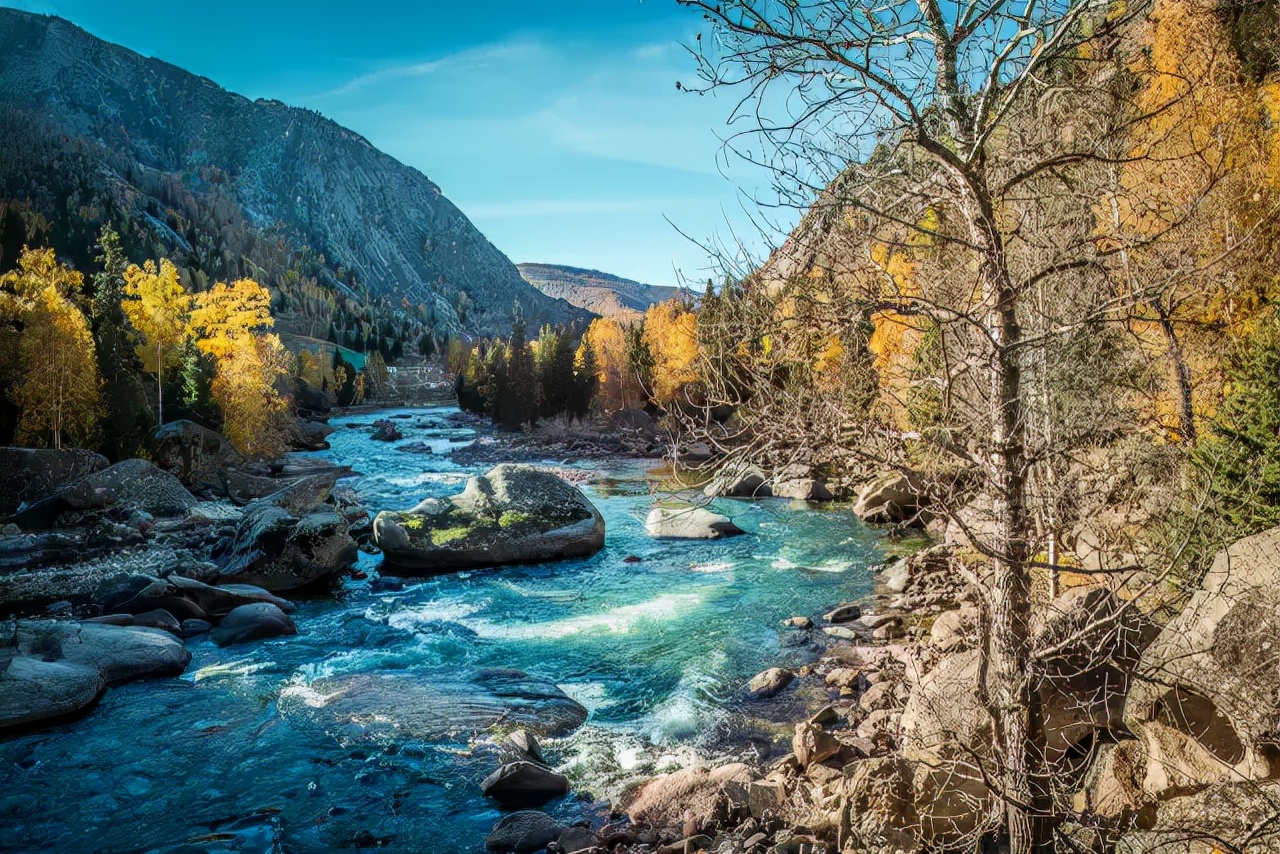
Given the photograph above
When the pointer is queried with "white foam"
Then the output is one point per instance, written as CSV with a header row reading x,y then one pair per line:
x,y
715,566
232,668
620,620
412,619
308,695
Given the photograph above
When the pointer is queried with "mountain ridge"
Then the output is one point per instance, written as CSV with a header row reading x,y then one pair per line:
x,y
593,290
230,184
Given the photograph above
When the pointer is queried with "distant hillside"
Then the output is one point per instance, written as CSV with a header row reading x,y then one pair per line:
x,y
347,237
600,293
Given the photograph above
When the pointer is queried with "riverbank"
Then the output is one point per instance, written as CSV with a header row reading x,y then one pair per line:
x,y
654,639
758,692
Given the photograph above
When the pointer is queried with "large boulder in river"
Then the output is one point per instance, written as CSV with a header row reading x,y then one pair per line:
x,y
523,832
700,794
1206,697
512,514
310,435
687,522
49,669
279,545
524,784
30,474
197,456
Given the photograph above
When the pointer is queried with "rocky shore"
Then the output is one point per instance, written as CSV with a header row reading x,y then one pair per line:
x,y
1158,725
1158,738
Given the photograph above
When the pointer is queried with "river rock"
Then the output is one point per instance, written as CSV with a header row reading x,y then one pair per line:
x,y
799,484
56,667
688,523
33,689
135,484
220,600
1206,696
196,455
257,621
194,628
512,514
29,474
843,614
738,480
311,435
132,593
120,653
279,546
159,618
385,431
769,682
435,704
890,498
697,794
523,831
812,744
524,784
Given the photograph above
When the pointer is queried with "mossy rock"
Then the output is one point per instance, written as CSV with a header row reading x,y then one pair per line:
x,y
512,514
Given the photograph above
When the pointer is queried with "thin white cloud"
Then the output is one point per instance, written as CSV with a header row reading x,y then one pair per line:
x,y
471,59
654,50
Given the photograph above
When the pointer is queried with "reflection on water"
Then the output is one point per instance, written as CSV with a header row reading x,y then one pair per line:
x,y
656,650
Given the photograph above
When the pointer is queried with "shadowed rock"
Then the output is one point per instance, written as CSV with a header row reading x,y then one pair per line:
x,y
30,474
196,455
525,784
257,621
51,668
289,540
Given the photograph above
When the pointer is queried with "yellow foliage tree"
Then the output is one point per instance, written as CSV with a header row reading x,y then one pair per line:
x,y
58,391
231,323
671,331
254,414
157,306
1204,164
619,388
225,313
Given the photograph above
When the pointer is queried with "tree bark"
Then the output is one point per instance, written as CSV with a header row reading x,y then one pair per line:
x,y
1186,407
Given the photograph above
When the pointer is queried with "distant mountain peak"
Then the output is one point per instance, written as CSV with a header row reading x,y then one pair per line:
x,y
600,293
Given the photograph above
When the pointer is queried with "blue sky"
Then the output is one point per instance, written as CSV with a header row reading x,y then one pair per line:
x,y
555,125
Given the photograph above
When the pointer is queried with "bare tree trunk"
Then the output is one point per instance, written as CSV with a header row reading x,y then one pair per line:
x,y
1009,691
159,390
1186,408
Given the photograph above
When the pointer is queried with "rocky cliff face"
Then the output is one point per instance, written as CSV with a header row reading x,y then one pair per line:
x,y
599,293
233,186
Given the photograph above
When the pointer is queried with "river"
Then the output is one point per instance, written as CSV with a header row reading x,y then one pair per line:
x,y
657,650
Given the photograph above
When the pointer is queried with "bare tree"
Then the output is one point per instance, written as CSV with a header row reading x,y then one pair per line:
x,y
979,139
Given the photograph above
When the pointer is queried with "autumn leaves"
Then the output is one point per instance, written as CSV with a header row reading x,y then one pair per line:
x,y
224,329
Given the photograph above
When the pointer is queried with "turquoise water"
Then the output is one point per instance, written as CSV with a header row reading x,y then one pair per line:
x,y
239,754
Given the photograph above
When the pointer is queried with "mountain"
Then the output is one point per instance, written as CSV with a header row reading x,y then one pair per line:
x,y
96,134
599,293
